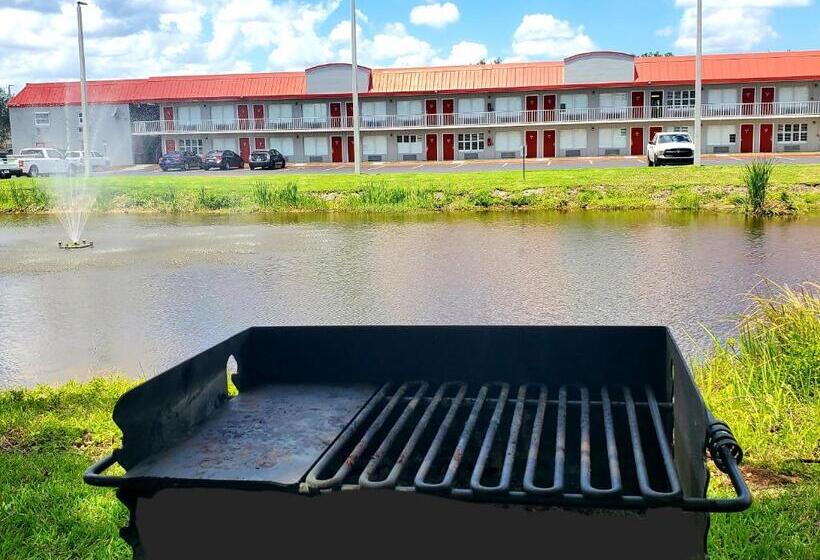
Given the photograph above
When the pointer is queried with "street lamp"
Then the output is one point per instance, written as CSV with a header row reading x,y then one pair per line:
x,y
83,91
698,137
357,152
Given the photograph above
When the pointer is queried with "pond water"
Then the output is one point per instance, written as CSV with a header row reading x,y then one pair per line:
x,y
158,289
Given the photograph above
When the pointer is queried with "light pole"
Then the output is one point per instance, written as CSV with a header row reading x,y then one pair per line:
x,y
10,86
357,152
698,136
83,91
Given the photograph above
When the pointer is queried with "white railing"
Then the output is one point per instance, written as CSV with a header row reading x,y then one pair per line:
x,y
490,118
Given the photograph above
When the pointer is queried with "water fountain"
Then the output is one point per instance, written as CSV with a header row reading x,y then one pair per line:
x,y
74,198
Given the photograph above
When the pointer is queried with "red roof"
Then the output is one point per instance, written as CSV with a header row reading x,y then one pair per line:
x,y
724,68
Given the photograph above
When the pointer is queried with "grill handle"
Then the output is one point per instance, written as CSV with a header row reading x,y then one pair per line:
x,y
94,476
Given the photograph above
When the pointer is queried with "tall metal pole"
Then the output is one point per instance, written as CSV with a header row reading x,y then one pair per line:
x,y
698,136
83,91
357,152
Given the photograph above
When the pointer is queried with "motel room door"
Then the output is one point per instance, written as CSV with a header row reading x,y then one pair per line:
x,y
766,133
170,145
432,147
636,141
245,149
259,143
336,115
532,143
532,110
168,116
242,115
449,146
336,149
654,131
747,138
351,150
549,143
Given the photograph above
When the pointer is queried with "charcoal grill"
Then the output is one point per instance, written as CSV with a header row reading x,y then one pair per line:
x,y
501,431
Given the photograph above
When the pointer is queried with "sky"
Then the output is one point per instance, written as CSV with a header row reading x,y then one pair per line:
x,y
149,38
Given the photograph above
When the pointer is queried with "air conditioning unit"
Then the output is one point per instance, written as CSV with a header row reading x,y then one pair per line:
x,y
316,159
409,157
471,156
508,155
720,150
791,148
612,152
573,153
374,158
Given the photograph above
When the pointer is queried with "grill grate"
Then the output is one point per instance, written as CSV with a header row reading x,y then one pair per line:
x,y
527,443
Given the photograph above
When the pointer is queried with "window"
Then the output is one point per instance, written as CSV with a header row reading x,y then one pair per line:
x,y
793,93
409,108
54,154
683,129
575,139
374,108
681,98
792,132
315,111
613,100
315,145
409,144
222,114
224,144
509,141
32,154
472,142
280,112
193,145
574,101
721,96
612,138
282,143
471,105
191,114
42,119
720,135
508,104
374,145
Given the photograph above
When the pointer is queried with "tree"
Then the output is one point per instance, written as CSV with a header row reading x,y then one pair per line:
x,y
5,123
651,54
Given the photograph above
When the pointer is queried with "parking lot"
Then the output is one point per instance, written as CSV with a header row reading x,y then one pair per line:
x,y
477,165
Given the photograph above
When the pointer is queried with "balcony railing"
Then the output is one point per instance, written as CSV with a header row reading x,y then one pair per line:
x,y
491,118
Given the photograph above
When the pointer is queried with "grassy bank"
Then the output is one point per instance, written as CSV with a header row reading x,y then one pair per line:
x,y
764,383
794,189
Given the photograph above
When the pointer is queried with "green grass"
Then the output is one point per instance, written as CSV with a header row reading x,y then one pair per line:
x,y
720,188
764,382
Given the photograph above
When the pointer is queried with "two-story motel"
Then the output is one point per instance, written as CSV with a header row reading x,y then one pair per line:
x,y
592,104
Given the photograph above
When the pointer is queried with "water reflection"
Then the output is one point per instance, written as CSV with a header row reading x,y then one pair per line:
x,y
157,289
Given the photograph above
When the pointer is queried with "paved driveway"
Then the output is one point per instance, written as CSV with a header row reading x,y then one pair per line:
x,y
471,166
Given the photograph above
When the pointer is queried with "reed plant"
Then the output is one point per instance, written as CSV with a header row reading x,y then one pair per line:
x,y
756,177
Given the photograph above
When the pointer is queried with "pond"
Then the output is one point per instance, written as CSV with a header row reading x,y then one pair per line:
x,y
157,289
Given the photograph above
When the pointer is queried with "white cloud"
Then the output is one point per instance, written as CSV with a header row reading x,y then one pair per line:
x,y
435,14
394,46
545,36
730,25
465,52
667,31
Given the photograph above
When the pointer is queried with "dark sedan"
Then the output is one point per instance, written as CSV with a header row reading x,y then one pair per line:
x,y
267,159
182,161
223,159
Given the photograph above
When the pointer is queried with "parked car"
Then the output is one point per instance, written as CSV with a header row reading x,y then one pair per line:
x,y
98,161
44,161
182,161
670,147
9,166
223,159
267,159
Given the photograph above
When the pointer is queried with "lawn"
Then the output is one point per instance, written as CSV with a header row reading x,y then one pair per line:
x,y
765,383
794,189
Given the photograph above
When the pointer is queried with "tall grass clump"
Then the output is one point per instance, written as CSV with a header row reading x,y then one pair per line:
x,y
766,380
214,201
262,194
756,177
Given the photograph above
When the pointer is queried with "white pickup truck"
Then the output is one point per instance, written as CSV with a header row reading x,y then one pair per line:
x,y
670,147
42,161
9,166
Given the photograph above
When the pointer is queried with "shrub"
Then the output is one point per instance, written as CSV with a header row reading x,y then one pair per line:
x,y
756,176
262,194
212,201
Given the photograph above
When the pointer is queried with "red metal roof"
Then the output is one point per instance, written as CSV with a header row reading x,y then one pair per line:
x,y
724,68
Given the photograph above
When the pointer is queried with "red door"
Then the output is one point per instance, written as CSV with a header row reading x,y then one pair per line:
x,y
532,143
637,142
766,131
549,107
430,109
637,105
245,149
549,143
747,138
336,149
168,115
242,114
767,98
351,149
349,122
432,147
259,117
259,143
170,145
449,146
336,117
447,107
653,130
748,96
532,110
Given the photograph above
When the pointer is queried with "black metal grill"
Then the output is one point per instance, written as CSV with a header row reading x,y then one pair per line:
x,y
678,153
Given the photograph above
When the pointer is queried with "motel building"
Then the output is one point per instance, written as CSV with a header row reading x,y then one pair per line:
x,y
592,104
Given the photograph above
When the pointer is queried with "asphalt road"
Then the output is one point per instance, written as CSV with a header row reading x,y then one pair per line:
x,y
470,166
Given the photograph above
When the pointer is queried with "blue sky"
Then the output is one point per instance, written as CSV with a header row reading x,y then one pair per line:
x,y
146,37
